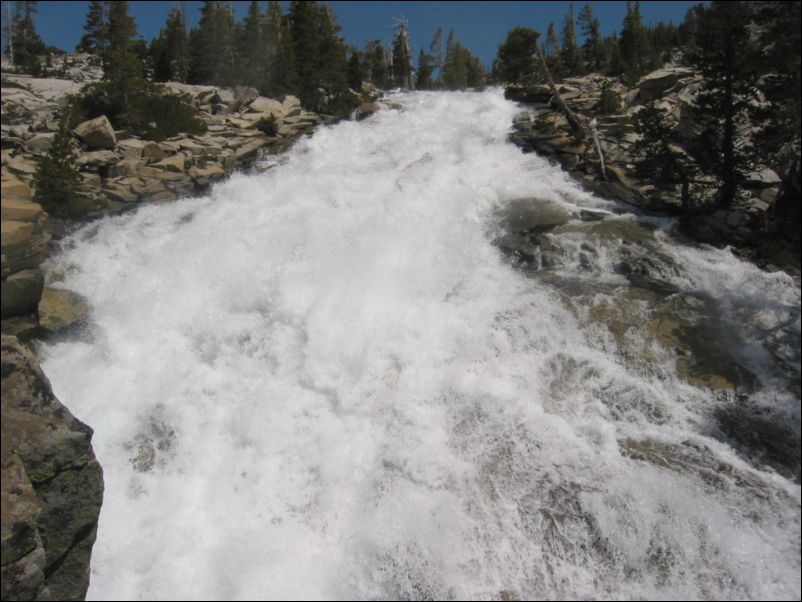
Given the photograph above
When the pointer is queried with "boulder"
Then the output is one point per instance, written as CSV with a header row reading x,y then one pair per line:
x,y
61,309
21,292
152,152
366,109
249,149
97,159
97,133
24,242
260,104
654,84
40,143
532,215
763,178
174,163
203,176
23,166
14,188
52,486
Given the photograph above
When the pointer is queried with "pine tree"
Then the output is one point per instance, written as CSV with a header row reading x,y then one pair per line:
x,y
553,51
57,178
515,62
332,64
304,23
283,77
355,71
169,52
633,41
402,57
424,80
251,52
377,67
476,75
122,67
727,60
271,40
615,64
592,49
28,46
570,54
212,45
96,27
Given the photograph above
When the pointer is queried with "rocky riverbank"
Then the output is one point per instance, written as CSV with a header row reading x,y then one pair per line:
x,y
119,170
541,128
52,487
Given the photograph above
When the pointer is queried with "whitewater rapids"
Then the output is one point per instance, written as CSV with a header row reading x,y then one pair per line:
x,y
324,381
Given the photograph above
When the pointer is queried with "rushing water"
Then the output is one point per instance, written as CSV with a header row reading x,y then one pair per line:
x,y
326,381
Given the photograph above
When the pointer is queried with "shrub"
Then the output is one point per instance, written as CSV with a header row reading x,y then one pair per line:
x,y
57,178
151,113
609,101
160,116
268,125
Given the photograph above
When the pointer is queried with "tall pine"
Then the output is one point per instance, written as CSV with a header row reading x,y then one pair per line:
x,y
726,58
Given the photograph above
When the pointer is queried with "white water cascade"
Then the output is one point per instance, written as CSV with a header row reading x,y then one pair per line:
x,y
324,381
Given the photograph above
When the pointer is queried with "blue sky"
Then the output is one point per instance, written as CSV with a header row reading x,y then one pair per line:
x,y
481,26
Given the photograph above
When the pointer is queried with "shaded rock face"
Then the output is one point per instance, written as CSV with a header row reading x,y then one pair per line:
x,y
52,487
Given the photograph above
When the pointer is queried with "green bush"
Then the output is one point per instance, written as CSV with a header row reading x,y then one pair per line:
x,y
268,125
57,179
157,116
151,113
609,101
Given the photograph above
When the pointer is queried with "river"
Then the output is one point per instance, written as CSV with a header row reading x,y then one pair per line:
x,y
337,379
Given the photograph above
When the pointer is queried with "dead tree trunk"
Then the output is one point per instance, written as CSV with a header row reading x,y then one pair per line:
x,y
570,116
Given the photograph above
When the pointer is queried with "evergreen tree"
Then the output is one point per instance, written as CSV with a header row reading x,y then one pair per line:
x,y
616,65
377,66
28,46
658,159
169,52
122,67
476,75
553,51
402,57
211,45
252,54
356,71
633,41
455,68
332,64
593,48
727,60
515,62
424,80
779,65
57,178
96,27
283,77
304,23
570,54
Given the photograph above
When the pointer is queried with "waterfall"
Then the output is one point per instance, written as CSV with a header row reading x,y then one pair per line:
x,y
333,379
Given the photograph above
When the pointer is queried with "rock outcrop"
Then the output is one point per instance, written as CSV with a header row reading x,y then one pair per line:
x,y
118,169
52,487
541,128
24,247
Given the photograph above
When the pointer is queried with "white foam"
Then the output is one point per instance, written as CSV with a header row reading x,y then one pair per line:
x,y
348,394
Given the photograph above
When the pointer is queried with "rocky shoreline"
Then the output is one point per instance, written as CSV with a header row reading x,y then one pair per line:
x,y
542,128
